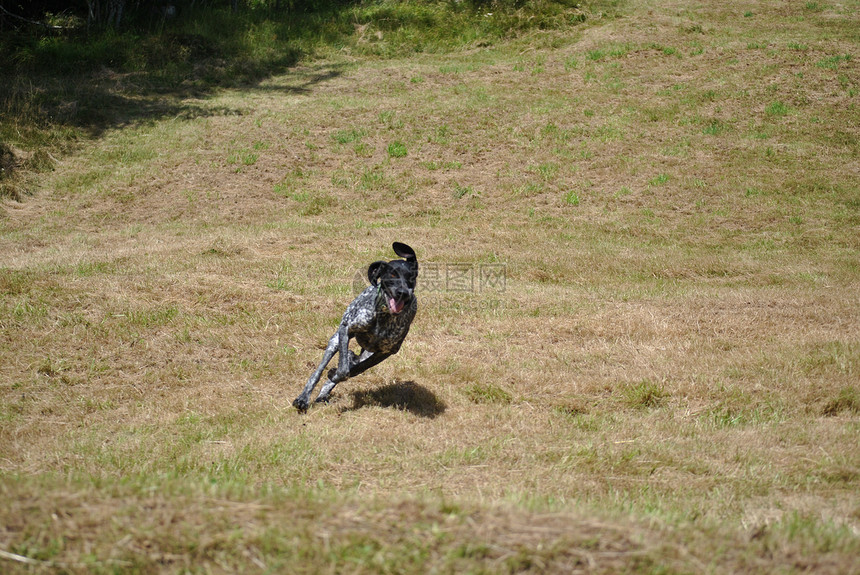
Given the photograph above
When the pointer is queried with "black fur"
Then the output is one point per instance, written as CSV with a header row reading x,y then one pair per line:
x,y
378,319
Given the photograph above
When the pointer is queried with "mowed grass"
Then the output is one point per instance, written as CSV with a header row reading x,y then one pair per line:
x,y
666,381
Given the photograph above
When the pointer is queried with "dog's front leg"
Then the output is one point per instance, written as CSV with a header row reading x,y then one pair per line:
x,y
346,359
303,400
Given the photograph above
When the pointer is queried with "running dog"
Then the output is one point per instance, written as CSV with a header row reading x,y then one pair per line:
x,y
378,319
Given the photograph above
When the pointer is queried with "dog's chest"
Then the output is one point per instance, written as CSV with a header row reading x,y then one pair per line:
x,y
377,330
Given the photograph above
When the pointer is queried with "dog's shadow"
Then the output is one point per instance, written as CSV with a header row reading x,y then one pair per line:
x,y
406,395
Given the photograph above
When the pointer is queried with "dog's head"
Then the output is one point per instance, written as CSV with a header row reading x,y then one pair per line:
x,y
396,279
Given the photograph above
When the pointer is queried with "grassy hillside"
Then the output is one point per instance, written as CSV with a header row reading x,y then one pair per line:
x,y
63,82
665,382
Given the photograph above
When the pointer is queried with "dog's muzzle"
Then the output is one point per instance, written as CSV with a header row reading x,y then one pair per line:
x,y
396,305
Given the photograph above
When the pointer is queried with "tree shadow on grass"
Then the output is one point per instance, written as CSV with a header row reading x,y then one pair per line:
x,y
94,102
47,108
89,84
405,395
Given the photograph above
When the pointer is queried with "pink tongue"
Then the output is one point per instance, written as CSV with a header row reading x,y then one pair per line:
x,y
394,305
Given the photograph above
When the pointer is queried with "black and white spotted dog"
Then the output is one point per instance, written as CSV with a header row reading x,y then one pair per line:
x,y
378,319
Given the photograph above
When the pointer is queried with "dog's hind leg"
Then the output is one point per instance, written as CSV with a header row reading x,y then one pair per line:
x,y
333,380
365,361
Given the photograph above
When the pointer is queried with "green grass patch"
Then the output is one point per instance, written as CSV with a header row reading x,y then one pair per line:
x,y
660,180
833,62
776,109
349,135
397,150
645,394
714,128
461,192
487,393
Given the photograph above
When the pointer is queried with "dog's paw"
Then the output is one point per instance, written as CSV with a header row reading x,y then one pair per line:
x,y
322,399
301,404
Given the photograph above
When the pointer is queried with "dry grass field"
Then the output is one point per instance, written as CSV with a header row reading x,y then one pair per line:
x,y
666,381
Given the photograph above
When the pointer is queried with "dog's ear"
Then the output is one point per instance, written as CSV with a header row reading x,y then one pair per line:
x,y
404,251
375,271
